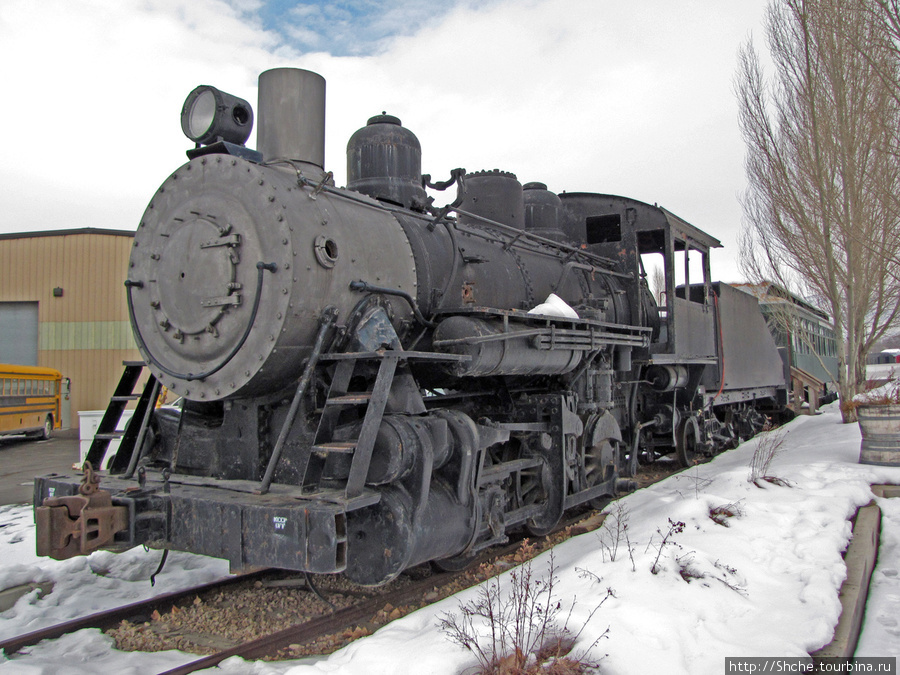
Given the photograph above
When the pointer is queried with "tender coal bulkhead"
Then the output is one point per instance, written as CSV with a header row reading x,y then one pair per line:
x,y
368,382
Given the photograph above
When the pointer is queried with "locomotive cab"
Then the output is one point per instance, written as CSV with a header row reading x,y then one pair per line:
x,y
711,359
664,255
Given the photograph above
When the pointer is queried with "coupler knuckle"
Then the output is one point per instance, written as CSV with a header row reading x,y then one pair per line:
x,y
78,524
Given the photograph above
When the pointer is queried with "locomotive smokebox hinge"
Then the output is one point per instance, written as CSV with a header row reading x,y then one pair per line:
x,y
225,240
78,524
221,301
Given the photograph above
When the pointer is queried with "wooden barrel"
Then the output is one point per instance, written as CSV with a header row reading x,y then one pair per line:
x,y
880,427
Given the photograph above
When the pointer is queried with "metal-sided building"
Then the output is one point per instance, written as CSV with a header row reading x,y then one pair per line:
x,y
62,305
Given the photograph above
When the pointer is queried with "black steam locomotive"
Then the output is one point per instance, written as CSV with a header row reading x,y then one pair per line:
x,y
369,382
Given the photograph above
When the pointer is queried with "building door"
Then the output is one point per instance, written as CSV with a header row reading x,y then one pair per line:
x,y
19,333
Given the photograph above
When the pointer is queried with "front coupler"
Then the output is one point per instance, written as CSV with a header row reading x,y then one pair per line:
x,y
218,518
80,523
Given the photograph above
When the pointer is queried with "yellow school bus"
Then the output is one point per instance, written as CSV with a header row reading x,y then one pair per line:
x,y
29,400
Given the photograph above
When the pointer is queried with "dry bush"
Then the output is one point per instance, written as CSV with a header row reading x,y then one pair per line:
x,y
698,482
614,533
724,574
526,551
769,445
518,631
676,527
721,514
886,394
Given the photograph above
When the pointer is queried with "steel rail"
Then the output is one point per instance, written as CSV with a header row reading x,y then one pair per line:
x,y
316,627
113,616
269,644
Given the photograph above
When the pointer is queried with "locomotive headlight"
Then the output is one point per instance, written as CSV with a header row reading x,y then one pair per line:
x,y
211,115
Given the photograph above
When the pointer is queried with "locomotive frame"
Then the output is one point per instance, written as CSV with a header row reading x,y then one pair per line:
x,y
392,395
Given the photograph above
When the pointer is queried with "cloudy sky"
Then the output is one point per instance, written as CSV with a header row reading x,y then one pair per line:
x,y
633,98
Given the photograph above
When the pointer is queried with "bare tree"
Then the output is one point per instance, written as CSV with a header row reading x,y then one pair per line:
x,y
820,211
658,284
886,16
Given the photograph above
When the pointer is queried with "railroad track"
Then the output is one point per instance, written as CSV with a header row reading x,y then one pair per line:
x,y
317,627
111,617
410,596
361,612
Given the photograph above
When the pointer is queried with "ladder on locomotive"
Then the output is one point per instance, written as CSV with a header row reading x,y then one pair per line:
x,y
340,397
107,431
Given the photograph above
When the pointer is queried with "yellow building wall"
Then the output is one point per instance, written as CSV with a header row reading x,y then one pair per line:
x,y
85,334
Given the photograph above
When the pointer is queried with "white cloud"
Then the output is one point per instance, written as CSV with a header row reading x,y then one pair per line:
x,y
603,96
355,27
97,87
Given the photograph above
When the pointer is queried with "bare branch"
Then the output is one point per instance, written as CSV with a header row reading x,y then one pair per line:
x,y
822,212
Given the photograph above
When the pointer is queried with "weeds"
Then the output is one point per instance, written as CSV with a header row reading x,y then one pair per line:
x,y
721,514
615,532
767,448
685,564
675,527
517,631
885,394
700,483
724,574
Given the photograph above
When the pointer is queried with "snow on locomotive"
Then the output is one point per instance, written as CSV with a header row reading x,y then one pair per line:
x,y
369,382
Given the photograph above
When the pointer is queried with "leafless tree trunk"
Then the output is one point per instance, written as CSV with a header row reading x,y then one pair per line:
x,y
658,284
821,213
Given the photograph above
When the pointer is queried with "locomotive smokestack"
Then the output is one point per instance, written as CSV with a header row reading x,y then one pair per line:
x,y
291,114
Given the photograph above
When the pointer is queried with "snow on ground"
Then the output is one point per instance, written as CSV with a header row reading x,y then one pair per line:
x,y
881,632
764,584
